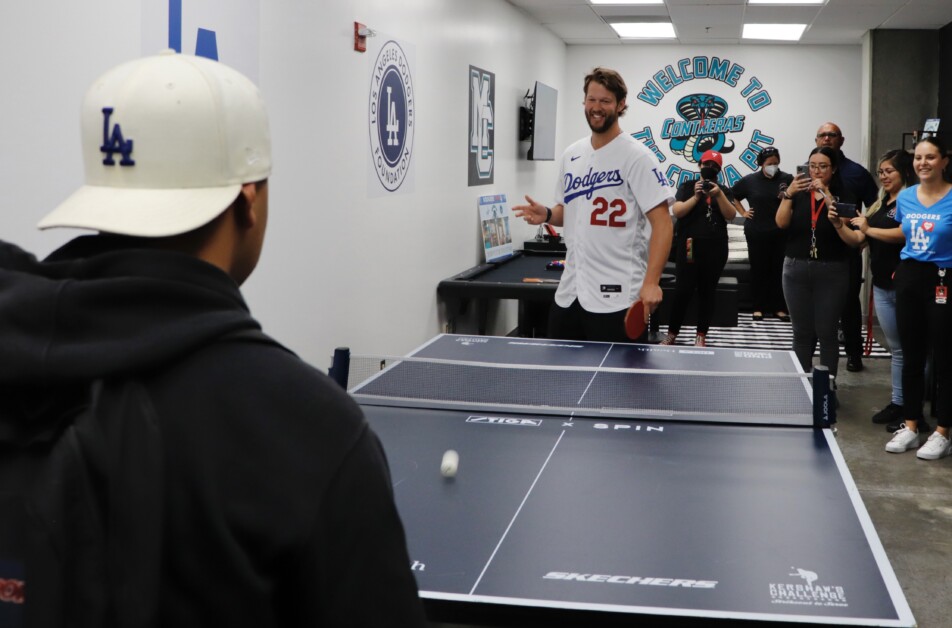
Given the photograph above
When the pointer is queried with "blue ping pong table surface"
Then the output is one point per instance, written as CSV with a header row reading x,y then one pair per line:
x,y
679,521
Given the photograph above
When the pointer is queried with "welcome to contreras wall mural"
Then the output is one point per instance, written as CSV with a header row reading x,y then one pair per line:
x,y
714,114
705,102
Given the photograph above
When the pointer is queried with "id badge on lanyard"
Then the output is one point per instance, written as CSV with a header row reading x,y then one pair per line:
x,y
942,290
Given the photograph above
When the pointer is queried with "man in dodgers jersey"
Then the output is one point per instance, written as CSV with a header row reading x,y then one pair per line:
x,y
612,199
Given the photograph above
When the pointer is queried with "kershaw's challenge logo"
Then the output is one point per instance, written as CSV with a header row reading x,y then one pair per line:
x,y
702,122
806,592
391,116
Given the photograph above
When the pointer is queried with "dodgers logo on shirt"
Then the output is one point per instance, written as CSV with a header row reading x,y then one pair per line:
x,y
391,116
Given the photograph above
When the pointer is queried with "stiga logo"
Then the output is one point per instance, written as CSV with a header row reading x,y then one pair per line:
x,y
391,116
804,591
499,420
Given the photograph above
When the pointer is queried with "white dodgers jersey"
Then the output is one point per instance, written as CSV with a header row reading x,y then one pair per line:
x,y
605,194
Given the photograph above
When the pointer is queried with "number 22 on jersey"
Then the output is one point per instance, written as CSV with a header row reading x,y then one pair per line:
x,y
605,214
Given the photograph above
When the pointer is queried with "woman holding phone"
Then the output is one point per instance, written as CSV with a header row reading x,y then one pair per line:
x,y
879,229
815,266
923,311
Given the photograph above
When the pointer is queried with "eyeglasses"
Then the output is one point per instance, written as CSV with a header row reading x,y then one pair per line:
x,y
885,172
819,167
827,134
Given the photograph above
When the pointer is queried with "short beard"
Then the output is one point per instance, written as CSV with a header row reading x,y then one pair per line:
x,y
608,123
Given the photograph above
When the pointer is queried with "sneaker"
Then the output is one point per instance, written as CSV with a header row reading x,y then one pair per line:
x,y
903,440
938,446
670,339
889,414
854,364
922,426
699,341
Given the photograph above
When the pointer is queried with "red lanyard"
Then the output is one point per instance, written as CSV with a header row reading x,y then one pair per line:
x,y
815,210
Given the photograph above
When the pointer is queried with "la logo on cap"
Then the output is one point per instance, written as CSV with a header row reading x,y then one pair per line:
x,y
114,143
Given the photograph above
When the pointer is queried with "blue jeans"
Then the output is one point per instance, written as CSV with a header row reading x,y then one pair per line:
x,y
815,291
885,302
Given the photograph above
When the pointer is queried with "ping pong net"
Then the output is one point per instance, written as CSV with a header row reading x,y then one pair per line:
x,y
722,397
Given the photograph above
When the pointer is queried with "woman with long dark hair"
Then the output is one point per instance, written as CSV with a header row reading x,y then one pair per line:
x,y
923,311
879,229
816,267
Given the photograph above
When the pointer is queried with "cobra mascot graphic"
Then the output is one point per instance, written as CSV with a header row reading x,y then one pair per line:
x,y
694,137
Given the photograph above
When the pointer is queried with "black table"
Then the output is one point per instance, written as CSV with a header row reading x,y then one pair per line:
x,y
504,280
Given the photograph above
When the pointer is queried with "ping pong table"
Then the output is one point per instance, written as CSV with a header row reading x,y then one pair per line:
x,y
640,501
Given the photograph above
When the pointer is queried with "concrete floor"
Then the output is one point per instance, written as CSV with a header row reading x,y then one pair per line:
x,y
909,500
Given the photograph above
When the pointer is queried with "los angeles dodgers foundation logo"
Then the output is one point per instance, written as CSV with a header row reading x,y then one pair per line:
x,y
391,116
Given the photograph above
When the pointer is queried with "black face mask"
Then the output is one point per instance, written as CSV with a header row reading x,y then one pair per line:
x,y
709,174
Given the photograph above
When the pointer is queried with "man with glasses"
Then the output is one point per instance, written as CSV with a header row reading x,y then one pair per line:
x,y
861,184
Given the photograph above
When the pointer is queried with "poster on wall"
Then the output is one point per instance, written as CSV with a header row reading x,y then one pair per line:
x,y
391,121
494,224
699,103
482,138
224,30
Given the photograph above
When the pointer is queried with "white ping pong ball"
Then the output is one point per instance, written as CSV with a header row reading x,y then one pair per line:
x,y
450,463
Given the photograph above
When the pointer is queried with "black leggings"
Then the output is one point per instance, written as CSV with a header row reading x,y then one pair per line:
x,y
700,274
924,327
766,251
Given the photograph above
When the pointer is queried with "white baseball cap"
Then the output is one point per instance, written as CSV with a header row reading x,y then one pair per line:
x,y
168,140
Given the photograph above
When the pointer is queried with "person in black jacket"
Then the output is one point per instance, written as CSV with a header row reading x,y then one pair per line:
x,y
703,208
277,504
765,240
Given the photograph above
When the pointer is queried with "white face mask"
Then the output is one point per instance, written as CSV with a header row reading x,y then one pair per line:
x,y
771,170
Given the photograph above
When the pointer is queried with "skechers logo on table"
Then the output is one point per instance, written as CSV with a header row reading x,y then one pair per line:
x,y
498,420
658,582
573,186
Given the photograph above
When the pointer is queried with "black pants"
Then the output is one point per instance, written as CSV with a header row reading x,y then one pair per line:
x,y
851,318
576,323
924,327
697,275
765,251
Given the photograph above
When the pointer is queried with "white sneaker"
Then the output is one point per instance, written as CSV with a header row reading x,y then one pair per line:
x,y
903,440
938,446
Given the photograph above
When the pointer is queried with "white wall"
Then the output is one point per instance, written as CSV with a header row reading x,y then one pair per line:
x,y
340,267
807,86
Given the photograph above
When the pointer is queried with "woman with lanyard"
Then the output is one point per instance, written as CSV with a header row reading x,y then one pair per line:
x,y
879,229
923,311
765,241
703,209
816,267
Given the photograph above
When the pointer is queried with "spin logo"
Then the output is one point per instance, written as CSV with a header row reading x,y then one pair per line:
x,y
391,116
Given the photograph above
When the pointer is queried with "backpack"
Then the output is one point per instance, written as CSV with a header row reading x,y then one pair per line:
x,y
81,512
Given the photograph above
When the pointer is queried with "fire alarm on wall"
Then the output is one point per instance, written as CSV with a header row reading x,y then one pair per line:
x,y
360,37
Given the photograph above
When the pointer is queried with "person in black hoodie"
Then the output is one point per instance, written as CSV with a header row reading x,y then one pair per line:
x,y
277,503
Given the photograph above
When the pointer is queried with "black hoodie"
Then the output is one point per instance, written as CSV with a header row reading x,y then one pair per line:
x,y
278,508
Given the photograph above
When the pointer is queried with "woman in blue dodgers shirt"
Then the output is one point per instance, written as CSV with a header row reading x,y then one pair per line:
x,y
923,310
